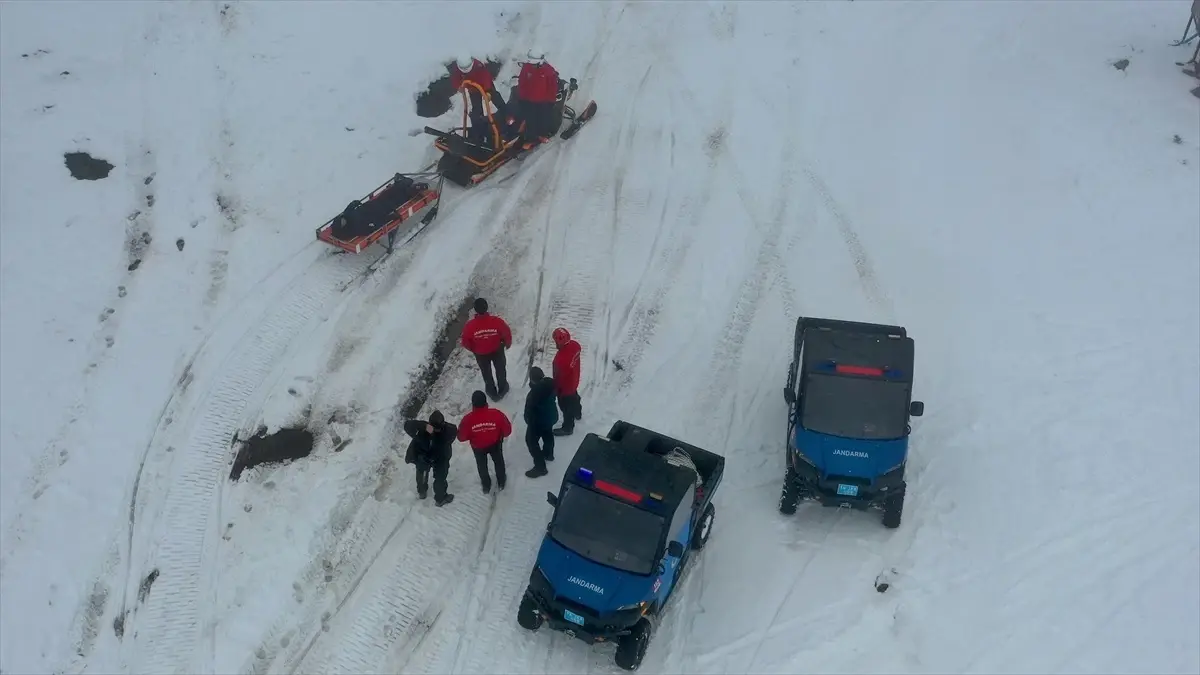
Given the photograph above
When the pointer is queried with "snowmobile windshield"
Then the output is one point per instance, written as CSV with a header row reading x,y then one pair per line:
x,y
855,407
607,531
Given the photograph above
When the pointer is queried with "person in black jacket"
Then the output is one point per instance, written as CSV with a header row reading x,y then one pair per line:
x,y
541,414
430,450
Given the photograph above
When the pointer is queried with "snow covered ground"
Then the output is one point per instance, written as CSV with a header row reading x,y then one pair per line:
x,y
980,174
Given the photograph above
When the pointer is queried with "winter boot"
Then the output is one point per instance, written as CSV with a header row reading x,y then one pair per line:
x,y
565,430
444,500
422,493
537,471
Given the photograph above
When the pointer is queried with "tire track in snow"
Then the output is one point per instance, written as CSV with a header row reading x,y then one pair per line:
x,y
647,306
392,613
863,266
411,598
728,353
360,534
183,547
502,578
586,255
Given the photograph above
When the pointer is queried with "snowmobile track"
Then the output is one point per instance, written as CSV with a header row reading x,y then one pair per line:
x,y
394,611
170,624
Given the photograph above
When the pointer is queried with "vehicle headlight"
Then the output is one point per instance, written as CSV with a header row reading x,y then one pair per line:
x,y
636,605
804,458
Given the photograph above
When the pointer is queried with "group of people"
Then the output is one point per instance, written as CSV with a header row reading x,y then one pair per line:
x,y
535,95
488,337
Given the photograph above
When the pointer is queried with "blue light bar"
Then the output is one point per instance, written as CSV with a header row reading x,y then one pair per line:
x,y
585,474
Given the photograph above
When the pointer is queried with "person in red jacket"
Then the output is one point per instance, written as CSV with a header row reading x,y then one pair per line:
x,y
485,429
537,89
566,380
487,336
468,69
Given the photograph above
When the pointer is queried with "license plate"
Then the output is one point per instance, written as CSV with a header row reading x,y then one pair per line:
x,y
847,490
572,617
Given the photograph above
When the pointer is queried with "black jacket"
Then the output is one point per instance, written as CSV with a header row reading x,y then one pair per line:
x,y
540,409
430,448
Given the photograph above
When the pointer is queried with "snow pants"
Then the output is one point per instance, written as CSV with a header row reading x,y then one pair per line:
x,y
498,361
496,452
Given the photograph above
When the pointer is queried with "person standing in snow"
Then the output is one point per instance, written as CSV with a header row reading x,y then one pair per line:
x,y
468,69
540,416
487,337
485,429
566,369
430,450
537,89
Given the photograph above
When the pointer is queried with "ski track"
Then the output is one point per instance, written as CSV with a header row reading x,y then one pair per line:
x,y
184,545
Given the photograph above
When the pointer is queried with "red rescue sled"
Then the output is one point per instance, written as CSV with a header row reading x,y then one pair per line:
x,y
383,212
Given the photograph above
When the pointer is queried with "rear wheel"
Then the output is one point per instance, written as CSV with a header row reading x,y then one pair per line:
x,y
700,536
631,649
528,616
893,508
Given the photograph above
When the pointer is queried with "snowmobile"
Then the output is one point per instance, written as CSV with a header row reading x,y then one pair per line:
x,y
471,154
382,213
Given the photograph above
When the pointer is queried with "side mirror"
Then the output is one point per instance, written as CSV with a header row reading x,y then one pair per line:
x,y
675,549
552,499
916,408
789,395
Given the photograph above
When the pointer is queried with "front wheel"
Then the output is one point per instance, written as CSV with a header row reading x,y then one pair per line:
x,y
789,497
528,616
700,537
893,509
631,648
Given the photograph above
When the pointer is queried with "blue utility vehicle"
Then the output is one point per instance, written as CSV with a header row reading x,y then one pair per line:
x,y
632,509
849,395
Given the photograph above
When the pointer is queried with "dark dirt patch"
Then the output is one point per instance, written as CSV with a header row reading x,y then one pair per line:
x,y
144,589
1121,64
435,100
282,446
93,611
442,349
179,243
85,167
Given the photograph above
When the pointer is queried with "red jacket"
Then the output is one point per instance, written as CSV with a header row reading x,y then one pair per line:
x,y
538,83
484,427
486,333
479,75
566,369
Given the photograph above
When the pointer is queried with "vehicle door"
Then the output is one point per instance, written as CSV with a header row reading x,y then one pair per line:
x,y
680,531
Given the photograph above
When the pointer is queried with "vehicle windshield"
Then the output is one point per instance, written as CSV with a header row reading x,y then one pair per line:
x,y
855,407
607,531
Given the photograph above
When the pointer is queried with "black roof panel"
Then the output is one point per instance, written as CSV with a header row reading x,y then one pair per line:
x,y
859,349
636,462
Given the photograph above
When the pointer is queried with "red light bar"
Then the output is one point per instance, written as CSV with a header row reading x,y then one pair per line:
x,y
617,491
860,370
